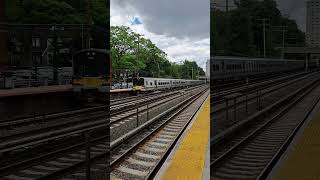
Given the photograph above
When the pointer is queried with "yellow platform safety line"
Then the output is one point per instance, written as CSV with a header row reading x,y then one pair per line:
x,y
303,161
189,160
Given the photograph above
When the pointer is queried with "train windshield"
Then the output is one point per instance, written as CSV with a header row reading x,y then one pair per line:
x,y
138,81
90,64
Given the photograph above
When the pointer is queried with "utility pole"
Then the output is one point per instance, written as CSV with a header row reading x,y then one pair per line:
x,y
88,22
215,6
264,38
227,27
283,43
198,73
192,73
158,70
227,7
138,52
283,30
4,60
264,20
54,60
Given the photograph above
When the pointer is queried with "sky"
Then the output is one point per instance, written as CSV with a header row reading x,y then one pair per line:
x,y
294,9
181,28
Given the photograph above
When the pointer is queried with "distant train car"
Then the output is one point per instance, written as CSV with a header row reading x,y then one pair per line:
x,y
149,84
226,68
91,72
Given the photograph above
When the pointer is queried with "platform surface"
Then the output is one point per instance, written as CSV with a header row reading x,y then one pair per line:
x,y
34,90
302,159
190,160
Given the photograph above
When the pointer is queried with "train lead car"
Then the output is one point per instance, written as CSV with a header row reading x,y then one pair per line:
x,y
231,68
150,84
91,73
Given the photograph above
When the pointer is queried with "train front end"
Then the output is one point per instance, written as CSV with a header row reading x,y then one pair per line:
x,y
91,73
138,85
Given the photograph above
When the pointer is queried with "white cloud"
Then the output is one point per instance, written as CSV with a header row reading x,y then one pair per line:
x,y
178,49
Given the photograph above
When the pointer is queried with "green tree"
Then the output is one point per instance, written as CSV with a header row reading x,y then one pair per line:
x,y
246,30
130,51
55,11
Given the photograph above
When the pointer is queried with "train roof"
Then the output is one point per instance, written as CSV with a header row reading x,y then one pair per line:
x,y
247,58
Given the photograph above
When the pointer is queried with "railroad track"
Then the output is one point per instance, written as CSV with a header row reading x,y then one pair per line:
x,y
63,132
140,153
123,123
22,125
219,96
253,102
250,149
32,146
121,105
62,162
231,85
132,98
29,126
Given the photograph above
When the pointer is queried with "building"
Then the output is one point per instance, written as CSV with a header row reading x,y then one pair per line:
x,y
208,68
3,37
34,45
313,23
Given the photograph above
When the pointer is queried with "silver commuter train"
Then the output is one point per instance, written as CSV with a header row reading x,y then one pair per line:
x,y
224,67
147,83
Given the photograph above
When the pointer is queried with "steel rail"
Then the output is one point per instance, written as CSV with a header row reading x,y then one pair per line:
x,y
233,129
271,90
182,106
299,95
46,156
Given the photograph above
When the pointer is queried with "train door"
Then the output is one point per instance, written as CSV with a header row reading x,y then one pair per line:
x,y
156,83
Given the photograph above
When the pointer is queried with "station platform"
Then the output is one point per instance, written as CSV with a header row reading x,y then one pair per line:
x,y
45,90
34,90
301,161
191,157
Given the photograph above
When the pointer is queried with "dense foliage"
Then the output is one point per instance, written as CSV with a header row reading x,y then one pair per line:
x,y
130,51
55,11
241,32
